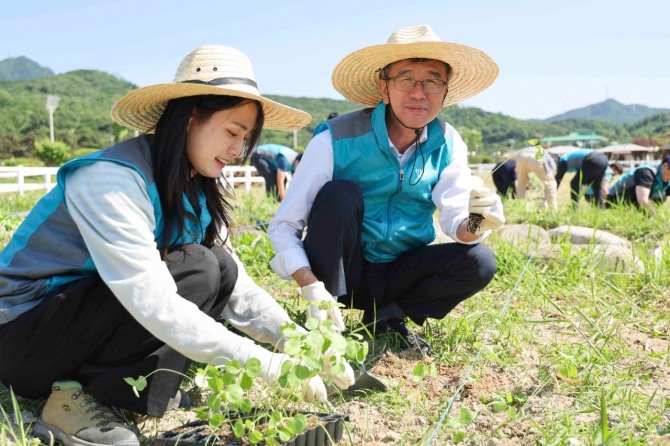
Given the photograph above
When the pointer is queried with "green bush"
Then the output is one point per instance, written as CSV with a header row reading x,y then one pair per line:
x,y
52,153
480,159
27,162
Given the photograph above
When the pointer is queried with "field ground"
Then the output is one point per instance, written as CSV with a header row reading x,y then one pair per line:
x,y
557,352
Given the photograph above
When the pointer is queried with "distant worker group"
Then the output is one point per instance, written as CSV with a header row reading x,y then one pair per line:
x,y
641,186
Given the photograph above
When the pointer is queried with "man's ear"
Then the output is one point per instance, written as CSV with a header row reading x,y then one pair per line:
x,y
383,86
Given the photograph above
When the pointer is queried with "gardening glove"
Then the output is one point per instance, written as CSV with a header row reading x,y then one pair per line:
x,y
316,293
312,390
344,380
485,202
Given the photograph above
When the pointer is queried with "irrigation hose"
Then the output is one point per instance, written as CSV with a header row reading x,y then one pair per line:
x,y
479,352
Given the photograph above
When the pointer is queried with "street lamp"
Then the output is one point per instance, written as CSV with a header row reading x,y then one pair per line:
x,y
52,103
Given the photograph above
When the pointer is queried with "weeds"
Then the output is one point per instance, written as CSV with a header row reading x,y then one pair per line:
x,y
581,357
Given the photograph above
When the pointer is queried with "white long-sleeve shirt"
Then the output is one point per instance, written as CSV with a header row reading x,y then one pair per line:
x,y
450,195
110,205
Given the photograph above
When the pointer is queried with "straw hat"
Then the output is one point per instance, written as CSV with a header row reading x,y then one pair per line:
x,y
208,70
356,76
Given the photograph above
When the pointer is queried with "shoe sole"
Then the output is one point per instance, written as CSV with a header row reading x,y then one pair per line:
x,y
47,432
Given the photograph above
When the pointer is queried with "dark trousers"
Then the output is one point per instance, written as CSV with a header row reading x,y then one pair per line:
x,y
504,178
591,174
83,333
428,281
267,171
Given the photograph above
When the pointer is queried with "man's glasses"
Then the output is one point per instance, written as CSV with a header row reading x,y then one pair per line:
x,y
405,83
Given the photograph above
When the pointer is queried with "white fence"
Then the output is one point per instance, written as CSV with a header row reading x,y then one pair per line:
x,y
244,176
235,176
20,173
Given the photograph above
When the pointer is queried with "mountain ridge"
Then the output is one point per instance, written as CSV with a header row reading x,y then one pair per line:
x,y
22,69
609,110
82,119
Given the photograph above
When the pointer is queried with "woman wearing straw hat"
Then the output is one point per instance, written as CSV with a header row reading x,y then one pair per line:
x,y
372,180
123,268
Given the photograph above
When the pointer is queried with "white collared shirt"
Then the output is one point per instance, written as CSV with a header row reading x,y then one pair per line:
x,y
450,195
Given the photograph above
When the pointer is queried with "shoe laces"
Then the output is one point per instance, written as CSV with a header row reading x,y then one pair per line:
x,y
106,414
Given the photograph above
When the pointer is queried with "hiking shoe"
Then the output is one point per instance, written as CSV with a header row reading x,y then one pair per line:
x,y
75,418
182,400
399,327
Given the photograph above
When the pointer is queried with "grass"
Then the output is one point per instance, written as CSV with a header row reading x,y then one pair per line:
x,y
581,355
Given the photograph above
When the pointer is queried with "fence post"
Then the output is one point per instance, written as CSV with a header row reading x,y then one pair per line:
x,y
247,178
20,179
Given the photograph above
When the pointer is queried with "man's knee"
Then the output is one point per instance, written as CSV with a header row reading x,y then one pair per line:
x,y
339,198
484,265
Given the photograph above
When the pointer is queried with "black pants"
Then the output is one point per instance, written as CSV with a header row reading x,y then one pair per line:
x,y
428,281
267,171
591,174
504,177
83,333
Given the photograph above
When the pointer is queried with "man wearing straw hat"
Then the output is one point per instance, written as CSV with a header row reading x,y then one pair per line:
x,y
372,180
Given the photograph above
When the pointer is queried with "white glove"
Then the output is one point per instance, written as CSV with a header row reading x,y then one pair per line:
x,y
343,381
487,203
312,390
316,293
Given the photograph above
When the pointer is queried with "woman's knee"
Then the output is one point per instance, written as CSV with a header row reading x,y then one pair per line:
x,y
227,269
200,273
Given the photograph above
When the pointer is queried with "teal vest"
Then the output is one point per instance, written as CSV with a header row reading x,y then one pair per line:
x,y
47,251
399,210
627,180
575,158
274,150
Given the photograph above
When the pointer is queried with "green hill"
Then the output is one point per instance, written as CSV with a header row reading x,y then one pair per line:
x,y
22,69
609,110
82,118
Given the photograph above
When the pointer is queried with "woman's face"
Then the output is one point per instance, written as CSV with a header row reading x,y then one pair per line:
x,y
216,142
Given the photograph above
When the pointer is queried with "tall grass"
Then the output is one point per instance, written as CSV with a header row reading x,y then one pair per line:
x,y
580,357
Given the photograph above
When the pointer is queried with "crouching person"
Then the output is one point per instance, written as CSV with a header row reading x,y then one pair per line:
x,y
123,268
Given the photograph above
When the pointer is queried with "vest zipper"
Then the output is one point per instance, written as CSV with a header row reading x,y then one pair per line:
x,y
402,175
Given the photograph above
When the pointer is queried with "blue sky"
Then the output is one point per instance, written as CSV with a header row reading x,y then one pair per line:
x,y
554,56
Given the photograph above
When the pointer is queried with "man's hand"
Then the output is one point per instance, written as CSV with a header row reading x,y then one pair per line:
x,y
312,390
317,293
485,202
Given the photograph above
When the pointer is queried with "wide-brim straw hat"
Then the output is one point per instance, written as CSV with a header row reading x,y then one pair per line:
x,y
356,76
207,70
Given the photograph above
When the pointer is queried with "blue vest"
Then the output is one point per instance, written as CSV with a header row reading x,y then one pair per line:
x,y
47,251
399,210
627,181
274,151
575,159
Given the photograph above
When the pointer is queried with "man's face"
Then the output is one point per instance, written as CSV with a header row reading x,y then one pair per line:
x,y
414,108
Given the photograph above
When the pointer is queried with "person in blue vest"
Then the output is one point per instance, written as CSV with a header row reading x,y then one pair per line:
x,y
504,178
369,184
273,162
589,167
125,266
643,186
614,169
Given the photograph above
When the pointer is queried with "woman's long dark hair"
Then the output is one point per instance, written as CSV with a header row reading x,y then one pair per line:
x,y
172,168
